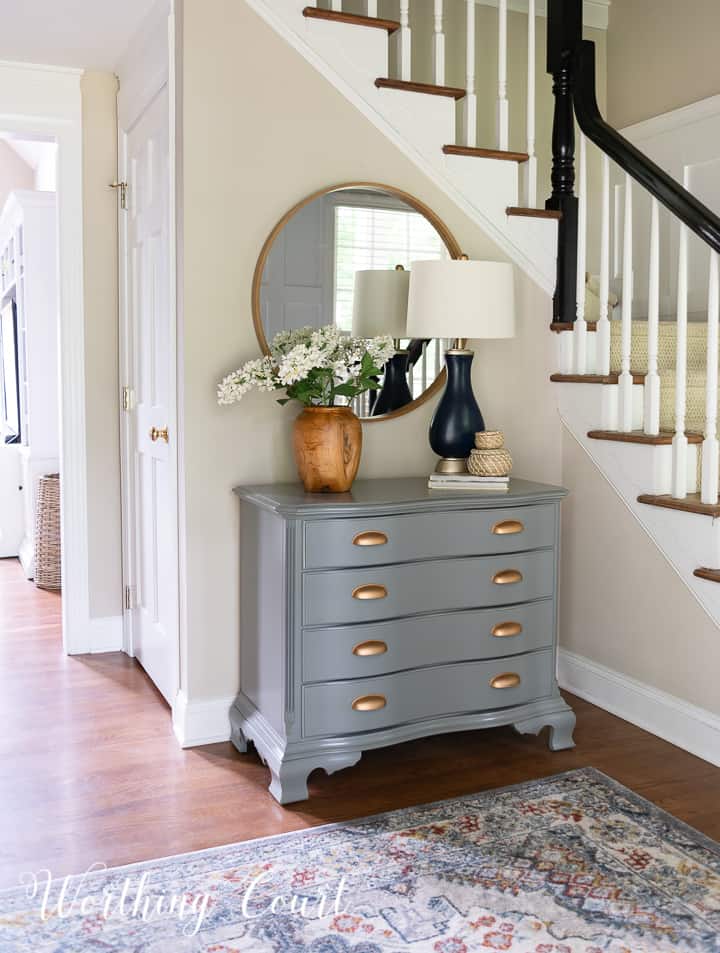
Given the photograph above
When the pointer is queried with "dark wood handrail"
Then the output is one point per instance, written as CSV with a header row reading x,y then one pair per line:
x,y
698,217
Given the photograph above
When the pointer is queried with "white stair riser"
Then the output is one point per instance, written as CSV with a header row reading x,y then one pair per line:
x,y
489,184
425,120
364,58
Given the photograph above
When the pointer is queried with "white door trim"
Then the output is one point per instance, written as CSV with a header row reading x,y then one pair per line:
x,y
44,100
145,71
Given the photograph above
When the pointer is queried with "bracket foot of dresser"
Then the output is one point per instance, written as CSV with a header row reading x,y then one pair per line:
x,y
561,722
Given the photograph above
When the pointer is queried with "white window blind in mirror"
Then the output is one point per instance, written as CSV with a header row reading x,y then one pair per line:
x,y
367,237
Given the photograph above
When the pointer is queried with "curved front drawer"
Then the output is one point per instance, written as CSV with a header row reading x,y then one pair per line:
x,y
359,651
340,597
370,542
424,694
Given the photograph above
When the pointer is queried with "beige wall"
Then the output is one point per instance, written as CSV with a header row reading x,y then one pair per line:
x,y
99,117
14,173
247,159
622,604
661,55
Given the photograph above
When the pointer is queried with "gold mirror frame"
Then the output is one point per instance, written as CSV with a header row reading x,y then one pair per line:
x,y
437,223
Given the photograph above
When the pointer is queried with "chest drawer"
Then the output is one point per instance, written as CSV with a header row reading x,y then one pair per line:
x,y
368,704
386,592
361,651
389,539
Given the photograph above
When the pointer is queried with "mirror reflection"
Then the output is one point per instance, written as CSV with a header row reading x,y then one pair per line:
x,y
344,258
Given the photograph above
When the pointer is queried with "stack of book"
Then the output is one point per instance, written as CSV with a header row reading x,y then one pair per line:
x,y
466,481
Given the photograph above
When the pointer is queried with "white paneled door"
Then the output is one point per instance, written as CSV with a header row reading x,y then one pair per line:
x,y
151,559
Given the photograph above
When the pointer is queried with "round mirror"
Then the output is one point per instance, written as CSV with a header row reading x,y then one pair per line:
x,y
343,256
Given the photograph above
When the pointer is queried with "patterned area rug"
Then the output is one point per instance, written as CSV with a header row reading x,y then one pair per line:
x,y
570,864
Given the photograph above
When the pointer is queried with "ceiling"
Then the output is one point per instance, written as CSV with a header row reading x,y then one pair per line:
x,y
88,34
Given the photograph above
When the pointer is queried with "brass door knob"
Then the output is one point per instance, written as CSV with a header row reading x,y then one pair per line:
x,y
507,576
159,434
370,537
369,703
371,591
508,527
371,647
506,680
504,630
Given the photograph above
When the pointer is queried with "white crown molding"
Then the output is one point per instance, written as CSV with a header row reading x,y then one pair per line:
x,y
675,119
595,12
202,722
691,728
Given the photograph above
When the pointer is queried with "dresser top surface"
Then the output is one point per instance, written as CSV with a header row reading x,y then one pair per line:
x,y
399,494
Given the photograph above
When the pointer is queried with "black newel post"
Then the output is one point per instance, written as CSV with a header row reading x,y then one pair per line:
x,y
564,34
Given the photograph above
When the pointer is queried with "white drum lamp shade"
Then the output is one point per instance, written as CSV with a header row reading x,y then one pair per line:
x,y
461,299
380,303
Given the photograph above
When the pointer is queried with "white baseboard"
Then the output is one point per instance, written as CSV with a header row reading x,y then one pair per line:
x,y
103,634
201,722
687,726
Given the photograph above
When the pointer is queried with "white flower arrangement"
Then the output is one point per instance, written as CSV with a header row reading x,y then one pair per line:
x,y
315,366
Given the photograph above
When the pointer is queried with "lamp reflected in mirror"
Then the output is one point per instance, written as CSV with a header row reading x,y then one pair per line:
x,y
343,256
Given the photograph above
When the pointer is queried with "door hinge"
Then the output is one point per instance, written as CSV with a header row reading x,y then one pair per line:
x,y
123,187
129,597
127,398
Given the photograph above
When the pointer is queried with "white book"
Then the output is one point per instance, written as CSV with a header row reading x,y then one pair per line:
x,y
480,487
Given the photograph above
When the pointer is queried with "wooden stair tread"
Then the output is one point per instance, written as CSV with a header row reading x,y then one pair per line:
x,y
533,212
611,378
355,19
451,92
485,153
691,503
713,575
663,439
570,325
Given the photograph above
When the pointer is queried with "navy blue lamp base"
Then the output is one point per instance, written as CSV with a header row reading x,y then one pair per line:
x,y
395,392
457,418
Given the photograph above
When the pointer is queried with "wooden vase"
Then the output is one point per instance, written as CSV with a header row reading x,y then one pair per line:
x,y
327,442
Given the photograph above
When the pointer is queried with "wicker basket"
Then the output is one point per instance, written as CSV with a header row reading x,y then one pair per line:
x,y
48,573
490,440
490,462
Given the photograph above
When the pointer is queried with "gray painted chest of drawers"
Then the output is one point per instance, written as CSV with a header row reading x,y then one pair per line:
x,y
393,612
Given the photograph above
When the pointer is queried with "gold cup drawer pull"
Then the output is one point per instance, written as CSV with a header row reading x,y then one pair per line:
x,y
371,647
370,537
507,576
506,680
504,630
508,528
370,591
369,703
159,433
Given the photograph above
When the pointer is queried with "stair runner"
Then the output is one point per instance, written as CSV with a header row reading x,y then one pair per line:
x,y
696,361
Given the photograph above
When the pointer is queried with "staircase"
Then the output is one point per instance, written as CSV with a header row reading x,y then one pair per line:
x,y
639,394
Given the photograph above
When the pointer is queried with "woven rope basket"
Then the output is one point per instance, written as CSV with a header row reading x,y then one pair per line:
x,y
48,574
490,462
490,440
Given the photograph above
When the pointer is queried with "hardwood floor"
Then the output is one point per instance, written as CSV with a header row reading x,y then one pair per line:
x,y
90,770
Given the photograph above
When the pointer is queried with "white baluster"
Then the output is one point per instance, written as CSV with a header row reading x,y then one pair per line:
x,y
336,5
651,412
402,38
438,45
470,101
602,337
709,488
680,441
580,328
370,8
502,103
530,167
625,381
